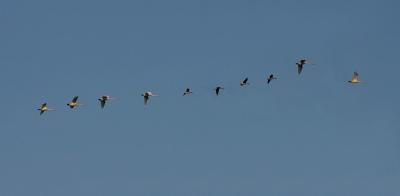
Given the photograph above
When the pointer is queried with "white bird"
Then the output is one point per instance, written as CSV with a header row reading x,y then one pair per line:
x,y
43,108
244,82
354,78
147,95
187,92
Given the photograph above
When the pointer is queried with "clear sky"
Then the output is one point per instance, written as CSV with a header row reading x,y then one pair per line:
x,y
312,134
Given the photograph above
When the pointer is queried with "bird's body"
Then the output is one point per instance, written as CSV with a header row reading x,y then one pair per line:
x,y
354,79
103,99
43,108
244,82
147,95
218,89
270,78
187,92
73,103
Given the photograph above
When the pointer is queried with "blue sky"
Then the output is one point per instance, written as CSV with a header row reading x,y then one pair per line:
x,y
312,134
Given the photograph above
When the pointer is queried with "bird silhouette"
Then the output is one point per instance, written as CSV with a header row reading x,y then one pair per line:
x,y
187,92
103,99
43,108
300,64
244,82
218,89
270,78
147,95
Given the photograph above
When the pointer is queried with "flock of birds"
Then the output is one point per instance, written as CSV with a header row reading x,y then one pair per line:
x,y
146,95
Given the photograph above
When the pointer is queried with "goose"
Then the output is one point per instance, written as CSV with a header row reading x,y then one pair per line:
x,y
147,95
354,79
244,82
43,108
270,78
103,99
300,64
187,92
217,90
74,103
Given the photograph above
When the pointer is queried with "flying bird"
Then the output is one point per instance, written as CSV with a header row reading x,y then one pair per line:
x,y
103,99
270,78
300,64
73,103
354,78
244,82
147,95
218,89
43,108
187,92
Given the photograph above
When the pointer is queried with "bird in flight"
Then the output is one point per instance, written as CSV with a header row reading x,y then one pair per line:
x,y
354,78
270,78
147,95
300,64
43,108
103,99
244,82
74,103
218,89
187,92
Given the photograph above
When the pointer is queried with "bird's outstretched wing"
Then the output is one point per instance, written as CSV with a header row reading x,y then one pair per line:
x,y
102,103
355,76
146,98
75,99
269,78
299,67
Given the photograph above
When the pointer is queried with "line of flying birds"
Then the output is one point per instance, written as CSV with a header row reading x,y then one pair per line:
x,y
146,95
